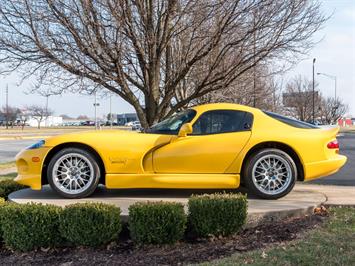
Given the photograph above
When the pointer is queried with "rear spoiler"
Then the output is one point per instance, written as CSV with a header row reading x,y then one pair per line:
x,y
331,131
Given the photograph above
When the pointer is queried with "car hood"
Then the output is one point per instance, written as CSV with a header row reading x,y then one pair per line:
x,y
98,137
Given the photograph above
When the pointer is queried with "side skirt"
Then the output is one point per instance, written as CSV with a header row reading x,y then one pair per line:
x,y
172,180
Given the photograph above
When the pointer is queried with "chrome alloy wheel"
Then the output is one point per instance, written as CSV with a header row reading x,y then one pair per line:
x,y
272,174
73,173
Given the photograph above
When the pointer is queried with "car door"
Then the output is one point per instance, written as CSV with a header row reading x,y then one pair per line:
x,y
217,139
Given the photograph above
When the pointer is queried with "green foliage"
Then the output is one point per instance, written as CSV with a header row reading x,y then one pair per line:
x,y
2,200
29,226
157,222
90,224
217,214
9,186
330,244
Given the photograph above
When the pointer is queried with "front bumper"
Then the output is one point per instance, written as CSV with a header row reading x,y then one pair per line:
x,y
29,167
324,168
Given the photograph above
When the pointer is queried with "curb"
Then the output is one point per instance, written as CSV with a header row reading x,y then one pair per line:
x,y
259,211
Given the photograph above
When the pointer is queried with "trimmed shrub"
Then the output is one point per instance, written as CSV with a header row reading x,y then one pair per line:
x,y
29,226
90,224
2,204
157,222
217,214
9,186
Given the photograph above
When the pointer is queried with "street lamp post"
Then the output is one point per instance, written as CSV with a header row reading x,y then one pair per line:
x,y
95,106
335,82
7,106
314,60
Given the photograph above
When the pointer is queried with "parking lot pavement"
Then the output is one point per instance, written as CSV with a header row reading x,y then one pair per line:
x,y
9,148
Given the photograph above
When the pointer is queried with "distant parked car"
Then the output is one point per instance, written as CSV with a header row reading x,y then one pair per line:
x,y
108,123
129,124
136,125
87,123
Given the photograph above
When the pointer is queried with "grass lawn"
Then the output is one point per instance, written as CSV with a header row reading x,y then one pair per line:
x,y
19,130
331,244
7,165
8,176
348,129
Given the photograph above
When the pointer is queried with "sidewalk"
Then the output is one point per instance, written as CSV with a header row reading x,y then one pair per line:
x,y
335,195
302,200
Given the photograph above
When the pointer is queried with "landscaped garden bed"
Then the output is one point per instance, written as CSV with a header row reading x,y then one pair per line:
x,y
286,233
160,233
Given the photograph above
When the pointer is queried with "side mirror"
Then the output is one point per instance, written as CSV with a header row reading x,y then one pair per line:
x,y
185,130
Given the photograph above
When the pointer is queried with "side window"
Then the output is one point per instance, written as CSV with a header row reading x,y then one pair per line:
x,y
222,121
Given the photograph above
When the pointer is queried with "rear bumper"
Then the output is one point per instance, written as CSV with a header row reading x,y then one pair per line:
x,y
324,168
30,171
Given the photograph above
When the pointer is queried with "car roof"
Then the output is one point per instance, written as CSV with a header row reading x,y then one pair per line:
x,y
226,106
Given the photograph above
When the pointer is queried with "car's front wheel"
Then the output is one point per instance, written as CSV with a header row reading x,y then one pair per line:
x,y
73,173
270,173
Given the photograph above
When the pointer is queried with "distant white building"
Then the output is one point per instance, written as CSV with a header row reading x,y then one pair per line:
x,y
50,121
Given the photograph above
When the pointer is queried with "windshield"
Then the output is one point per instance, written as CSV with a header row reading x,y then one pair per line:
x,y
173,124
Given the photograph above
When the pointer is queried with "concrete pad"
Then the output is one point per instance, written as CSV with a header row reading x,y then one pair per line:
x,y
7,171
299,201
336,195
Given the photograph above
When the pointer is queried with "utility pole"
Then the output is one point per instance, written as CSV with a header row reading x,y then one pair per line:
x,y
313,116
7,106
111,110
254,70
95,107
46,114
47,96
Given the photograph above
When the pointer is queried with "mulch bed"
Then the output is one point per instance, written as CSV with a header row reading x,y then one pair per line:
x,y
188,251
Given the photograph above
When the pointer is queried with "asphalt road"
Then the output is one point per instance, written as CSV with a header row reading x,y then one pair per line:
x,y
9,148
345,176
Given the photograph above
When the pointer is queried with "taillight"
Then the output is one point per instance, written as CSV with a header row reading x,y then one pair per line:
x,y
333,144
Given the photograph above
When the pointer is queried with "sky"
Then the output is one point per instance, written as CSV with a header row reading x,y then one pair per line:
x,y
335,55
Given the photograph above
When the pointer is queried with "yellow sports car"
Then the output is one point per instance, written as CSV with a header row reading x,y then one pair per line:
x,y
207,146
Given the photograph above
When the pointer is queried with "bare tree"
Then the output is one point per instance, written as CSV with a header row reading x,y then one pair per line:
x,y
298,99
66,117
38,113
266,93
332,109
11,114
148,52
83,117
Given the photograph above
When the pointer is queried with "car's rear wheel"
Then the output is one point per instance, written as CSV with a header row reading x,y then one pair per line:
x,y
73,173
270,173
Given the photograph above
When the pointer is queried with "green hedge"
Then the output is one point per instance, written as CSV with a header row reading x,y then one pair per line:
x,y
217,214
90,224
157,222
9,186
29,226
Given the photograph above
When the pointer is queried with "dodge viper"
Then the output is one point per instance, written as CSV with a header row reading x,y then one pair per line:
x,y
208,146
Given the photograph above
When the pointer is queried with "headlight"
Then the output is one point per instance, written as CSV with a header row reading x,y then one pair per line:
x,y
37,145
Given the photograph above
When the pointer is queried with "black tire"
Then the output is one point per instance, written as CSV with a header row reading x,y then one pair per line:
x,y
248,179
90,159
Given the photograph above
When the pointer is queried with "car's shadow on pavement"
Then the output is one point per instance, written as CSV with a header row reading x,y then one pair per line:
x,y
162,193
102,193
